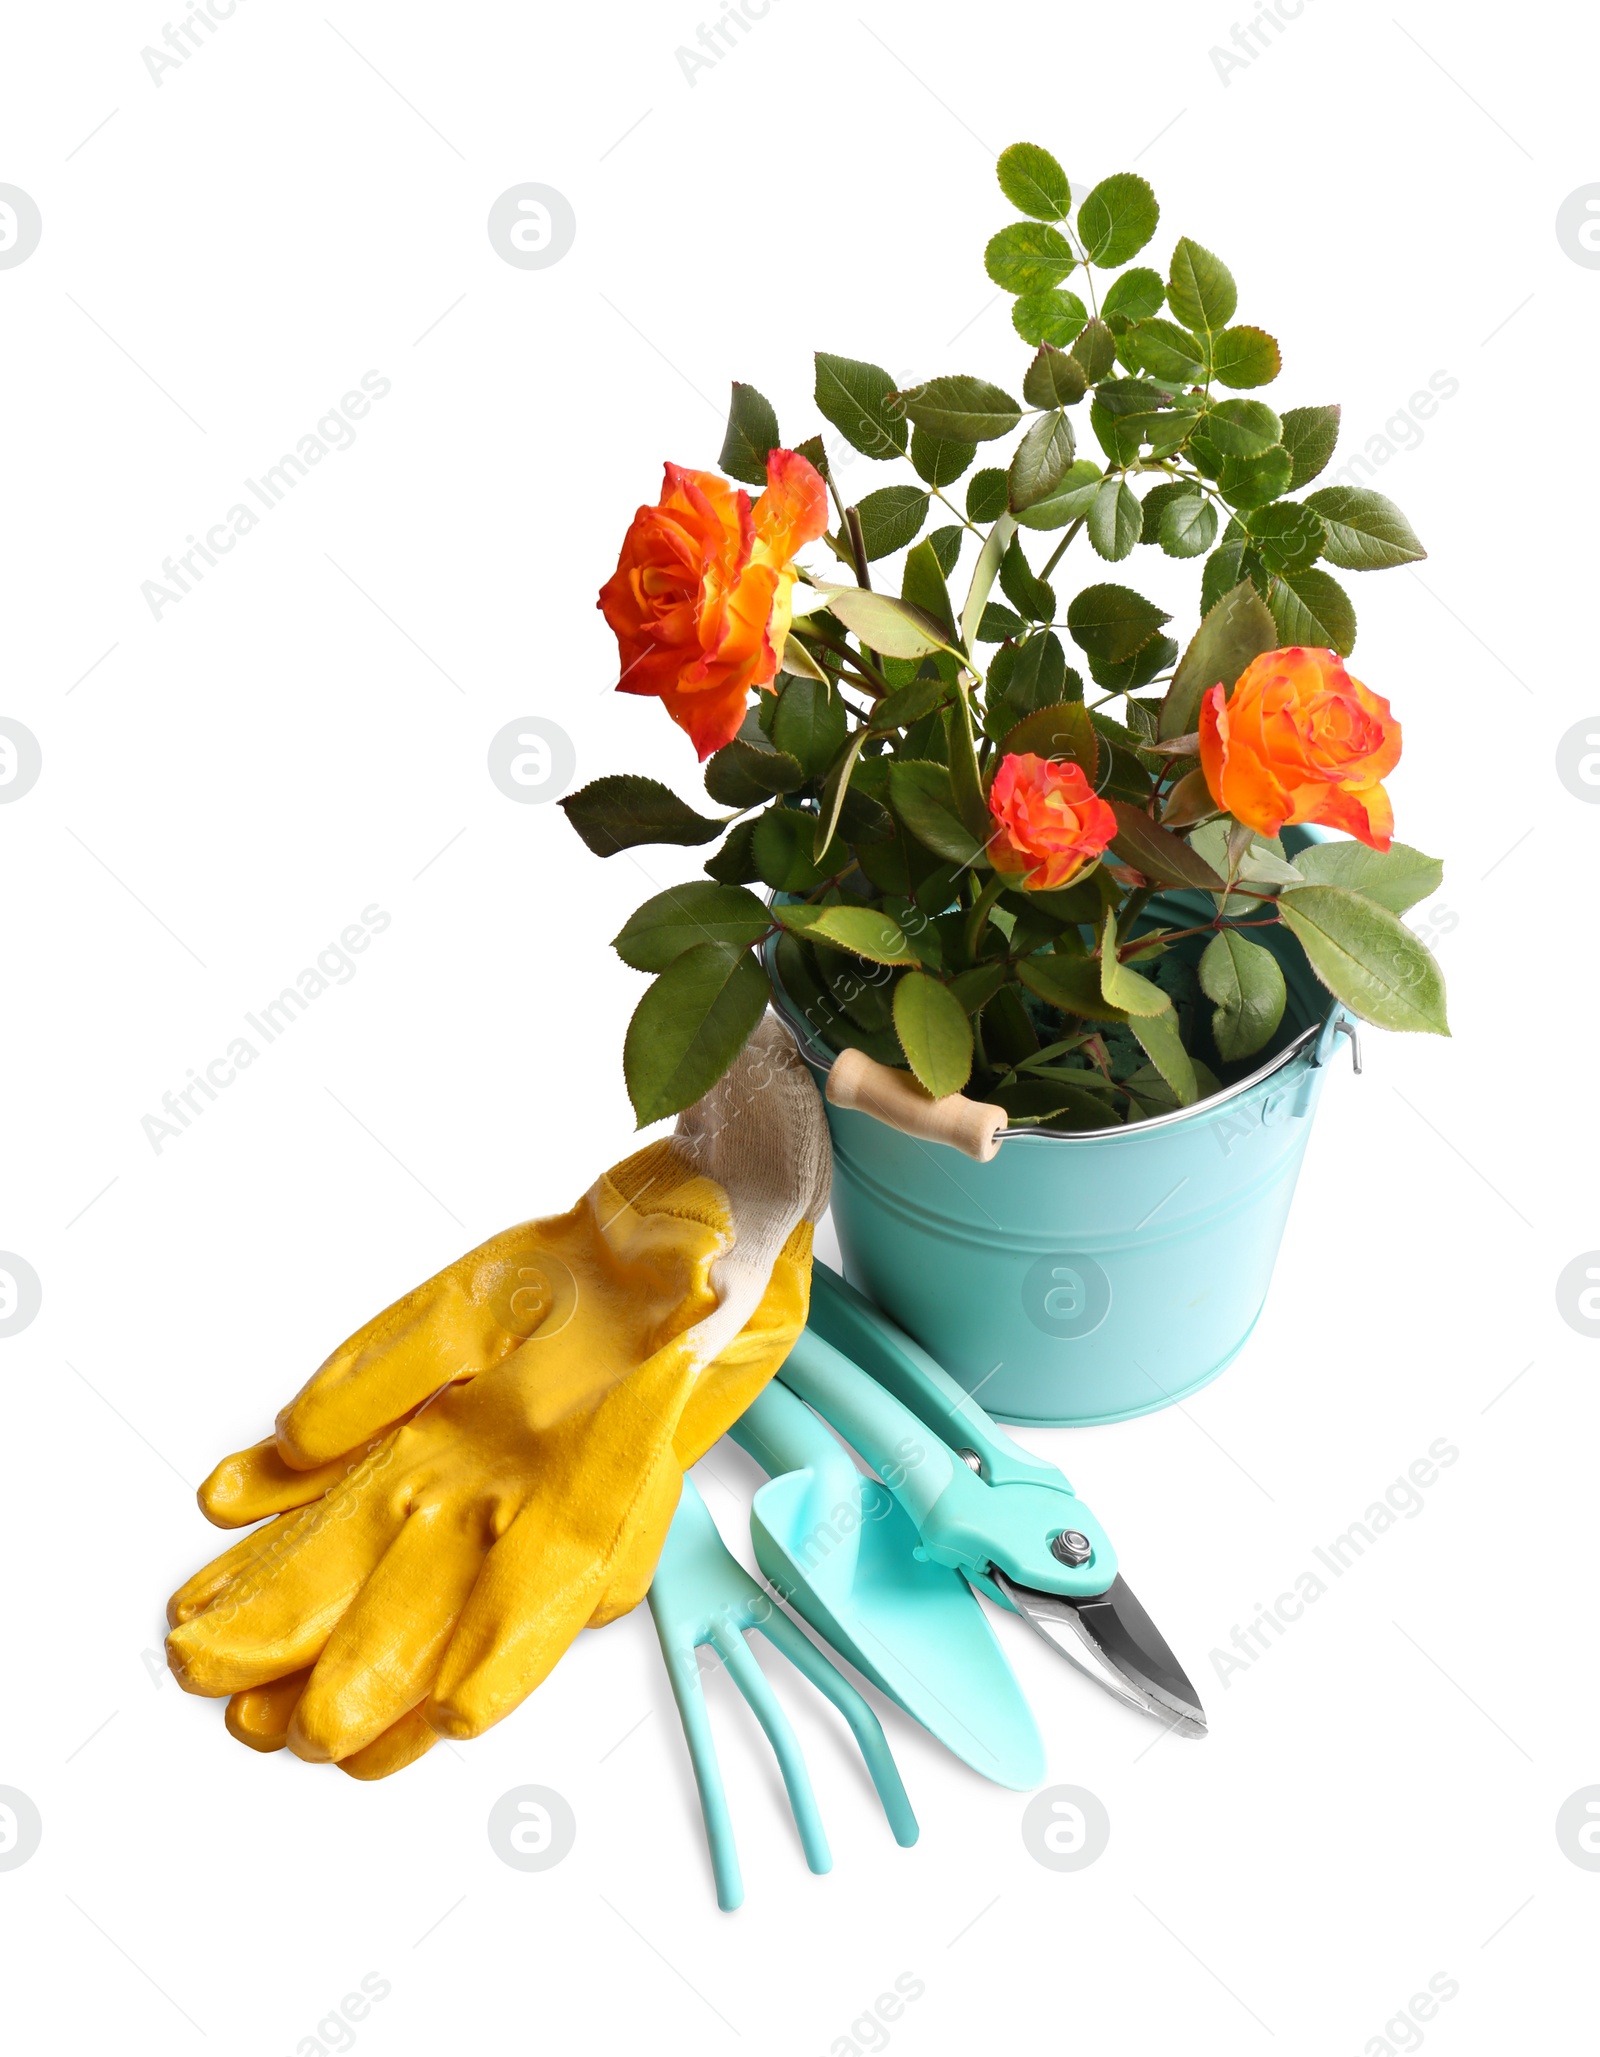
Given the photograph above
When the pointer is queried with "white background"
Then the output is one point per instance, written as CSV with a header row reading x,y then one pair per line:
x,y
227,787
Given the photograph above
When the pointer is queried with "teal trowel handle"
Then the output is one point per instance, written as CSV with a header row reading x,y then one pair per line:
x,y
911,1461
783,1435
852,1324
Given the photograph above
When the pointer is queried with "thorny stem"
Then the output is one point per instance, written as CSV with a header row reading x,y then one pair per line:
x,y
1125,950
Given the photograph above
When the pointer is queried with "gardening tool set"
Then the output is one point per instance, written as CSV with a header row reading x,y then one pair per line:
x,y
502,1457
888,1570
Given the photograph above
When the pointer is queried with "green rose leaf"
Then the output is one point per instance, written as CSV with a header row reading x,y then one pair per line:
x,y
1158,1033
996,624
1367,957
1063,733
1314,610
1231,561
735,863
1366,532
1247,985
969,409
1052,316
1158,853
945,543
743,774
852,799
752,431
697,912
1239,627
1034,183
622,810
691,1024
1245,357
1187,525
1397,878
975,988
1109,623
1028,257
966,778
940,459
1070,983
1054,379
858,399
1095,350
1287,535
796,662
891,518
1166,351
922,587
1031,597
924,799
1130,674
864,931
1134,297
1253,481
1074,495
1117,219
900,709
815,454
781,843
810,724
1242,428
934,1032
1036,677
1159,498
1309,436
1116,519
1041,459
1200,289
986,495
883,624
1123,987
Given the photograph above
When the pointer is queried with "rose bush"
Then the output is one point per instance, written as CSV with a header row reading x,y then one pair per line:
x,y
1056,885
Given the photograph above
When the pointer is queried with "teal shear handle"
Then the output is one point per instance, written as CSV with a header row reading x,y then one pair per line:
x,y
848,1320
970,1520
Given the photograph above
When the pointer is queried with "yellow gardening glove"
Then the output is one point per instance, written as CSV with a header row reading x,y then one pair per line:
x,y
493,1462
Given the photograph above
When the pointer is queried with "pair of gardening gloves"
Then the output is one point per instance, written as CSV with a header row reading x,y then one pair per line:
x,y
493,1462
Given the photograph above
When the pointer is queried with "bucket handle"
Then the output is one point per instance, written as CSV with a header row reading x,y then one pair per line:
x,y
1339,1024
973,1127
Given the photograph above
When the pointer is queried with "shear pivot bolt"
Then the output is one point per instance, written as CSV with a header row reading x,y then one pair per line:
x,y
972,1461
1072,1546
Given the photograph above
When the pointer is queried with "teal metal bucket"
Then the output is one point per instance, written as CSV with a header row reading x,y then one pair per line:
x,y
1078,1279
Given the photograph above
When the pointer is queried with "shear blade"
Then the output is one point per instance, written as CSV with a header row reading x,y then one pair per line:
x,y
1110,1637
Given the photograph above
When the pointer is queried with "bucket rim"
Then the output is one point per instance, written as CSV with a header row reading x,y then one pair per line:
x,y
821,1059
1309,1044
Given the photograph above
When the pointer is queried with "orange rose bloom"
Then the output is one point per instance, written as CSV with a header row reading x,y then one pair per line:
x,y
1049,822
699,602
1300,740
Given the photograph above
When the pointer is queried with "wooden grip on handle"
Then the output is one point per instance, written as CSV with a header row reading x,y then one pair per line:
x,y
894,1097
